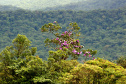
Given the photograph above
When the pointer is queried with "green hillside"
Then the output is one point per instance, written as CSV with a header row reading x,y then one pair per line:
x,y
91,5
8,8
47,5
36,4
101,30
20,65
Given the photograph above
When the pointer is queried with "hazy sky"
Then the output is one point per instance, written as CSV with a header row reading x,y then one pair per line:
x,y
27,4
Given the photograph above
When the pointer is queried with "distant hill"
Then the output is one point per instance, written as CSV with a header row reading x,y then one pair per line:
x,y
91,5
8,8
65,4
102,30
36,4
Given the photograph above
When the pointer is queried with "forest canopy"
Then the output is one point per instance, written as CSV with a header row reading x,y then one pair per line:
x,y
102,30
19,64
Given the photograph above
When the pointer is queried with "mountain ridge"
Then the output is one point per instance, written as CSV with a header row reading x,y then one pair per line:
x,y
91,5
36,4
65,4
8,8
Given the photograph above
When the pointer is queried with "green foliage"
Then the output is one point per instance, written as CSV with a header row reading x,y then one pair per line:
x,y
95,71
121,80
65,43
122,61
42,80
17,63
50,27
82,73
103,30
90,5
21,45
57,69
32,67
112,72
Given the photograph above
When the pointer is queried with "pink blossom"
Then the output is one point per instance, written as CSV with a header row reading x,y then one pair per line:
x,y
65,44
70,34
74,51
62,34
60,41
54,22
71,42
65,32
76,46
84,54
87,52
57,38
61,44
78,41
89,55
93,58
65,41
60,48
81,52
78,53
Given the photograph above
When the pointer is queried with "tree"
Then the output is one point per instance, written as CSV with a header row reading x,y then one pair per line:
x,y
122,61
96,71
66,43
18,63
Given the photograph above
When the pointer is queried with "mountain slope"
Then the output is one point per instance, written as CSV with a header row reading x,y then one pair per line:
x,y
35,4
102,30
91,5
65,4
8,8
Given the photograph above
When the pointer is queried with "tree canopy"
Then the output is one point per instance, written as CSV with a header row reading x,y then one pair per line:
x,y
19,64
103,30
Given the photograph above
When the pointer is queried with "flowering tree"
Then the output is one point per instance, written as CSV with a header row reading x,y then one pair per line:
x,y
66,44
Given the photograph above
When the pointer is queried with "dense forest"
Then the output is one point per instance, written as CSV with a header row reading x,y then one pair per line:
x,y
36,4
101,30
63,44
47,5
8,8
87,5
20,65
